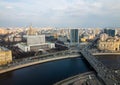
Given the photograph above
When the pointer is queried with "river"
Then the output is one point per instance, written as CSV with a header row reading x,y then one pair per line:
x,y
111,61
46,73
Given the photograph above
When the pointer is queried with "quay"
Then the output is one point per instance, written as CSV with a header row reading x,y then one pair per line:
x,y
88,78
95,54
38,60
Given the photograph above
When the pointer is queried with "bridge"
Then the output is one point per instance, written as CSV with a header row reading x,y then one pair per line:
x,y
108,76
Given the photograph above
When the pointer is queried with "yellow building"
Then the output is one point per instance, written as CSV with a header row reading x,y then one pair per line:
x,y
55,35
5,56
83,39
3,31
31,31
111,44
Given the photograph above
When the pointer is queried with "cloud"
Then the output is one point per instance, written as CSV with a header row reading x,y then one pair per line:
x,y
9,7
60,13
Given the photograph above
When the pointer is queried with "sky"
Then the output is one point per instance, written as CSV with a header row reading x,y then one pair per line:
x,y
60,13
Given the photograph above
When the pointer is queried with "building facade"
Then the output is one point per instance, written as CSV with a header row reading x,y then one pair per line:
x,y
110,44
35,39
103,37
63,38
110,32
5,56
36,47
74,36
31,31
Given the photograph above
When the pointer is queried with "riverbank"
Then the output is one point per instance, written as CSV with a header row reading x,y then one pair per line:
x,y
36,62
95,54
80,79
73,78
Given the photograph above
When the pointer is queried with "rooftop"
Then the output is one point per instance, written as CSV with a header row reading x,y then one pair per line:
x,y
3,49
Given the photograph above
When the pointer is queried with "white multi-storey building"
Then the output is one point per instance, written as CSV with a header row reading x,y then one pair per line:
x,y
35,43
35,39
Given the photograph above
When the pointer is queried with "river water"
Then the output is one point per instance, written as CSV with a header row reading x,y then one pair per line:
x,y
46,73
111,61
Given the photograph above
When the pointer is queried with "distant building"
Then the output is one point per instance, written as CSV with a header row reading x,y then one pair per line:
x,y
31,31
13,37
103,37
110,32
3,31
63,38
5,56
17,38
74,36
83,39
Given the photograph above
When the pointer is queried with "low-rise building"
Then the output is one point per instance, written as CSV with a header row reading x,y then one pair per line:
x,y
5,56
35,47
83,39
63,38
3,31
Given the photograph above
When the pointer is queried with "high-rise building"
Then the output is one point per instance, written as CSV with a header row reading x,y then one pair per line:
x,y
74,36
31,31
110,32
103,37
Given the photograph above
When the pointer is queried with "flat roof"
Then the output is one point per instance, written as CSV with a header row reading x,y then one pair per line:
x,y
3,49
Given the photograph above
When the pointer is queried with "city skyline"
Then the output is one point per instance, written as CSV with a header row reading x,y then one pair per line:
x,y
63,13
49,56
